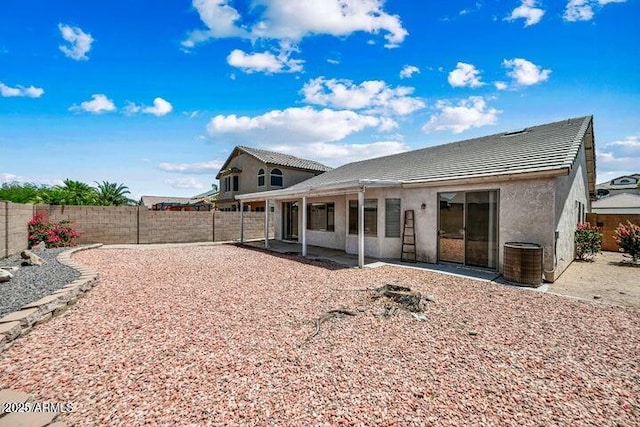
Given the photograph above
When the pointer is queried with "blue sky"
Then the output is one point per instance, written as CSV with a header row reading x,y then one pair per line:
x,y
156,97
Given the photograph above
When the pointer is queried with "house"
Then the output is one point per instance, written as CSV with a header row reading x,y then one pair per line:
x,y
622,184
250,170
623,203
162,203
469,198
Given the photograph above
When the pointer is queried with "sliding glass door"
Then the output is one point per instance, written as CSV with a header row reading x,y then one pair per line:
x,y
468,228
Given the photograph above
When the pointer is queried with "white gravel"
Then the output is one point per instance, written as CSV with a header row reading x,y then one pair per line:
x,y
216,336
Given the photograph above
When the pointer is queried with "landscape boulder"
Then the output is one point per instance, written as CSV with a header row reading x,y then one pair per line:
x,y
5,276
30,257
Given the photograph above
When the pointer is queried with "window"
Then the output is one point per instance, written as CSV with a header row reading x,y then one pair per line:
x,y
260,177
580,208
392,217
236,183
276,178
227,183
321,216
370,217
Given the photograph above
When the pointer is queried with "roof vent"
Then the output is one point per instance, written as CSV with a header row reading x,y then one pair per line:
x,y
515,132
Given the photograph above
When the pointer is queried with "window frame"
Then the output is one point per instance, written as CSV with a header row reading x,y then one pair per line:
x,y
278,175
387,218
261,177
329,216
352,222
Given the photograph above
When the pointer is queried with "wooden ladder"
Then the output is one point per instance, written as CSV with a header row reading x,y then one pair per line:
x,y
408,238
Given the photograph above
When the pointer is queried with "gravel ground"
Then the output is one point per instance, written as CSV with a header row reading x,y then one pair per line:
x,y
219,336
30,283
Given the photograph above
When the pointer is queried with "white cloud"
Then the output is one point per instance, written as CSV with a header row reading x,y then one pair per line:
x,y
287,20
469,113
265,62
333,61
99,104
583,10
525,73
527,11
160,107
295,125
630,146
29,92
408,71
618,158
374,96
185,183
465,75
200,167
79,42
501,85
335,154
220,19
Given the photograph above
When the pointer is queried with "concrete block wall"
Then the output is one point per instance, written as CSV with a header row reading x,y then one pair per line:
x,y
14,231
98,224
129,225
175,226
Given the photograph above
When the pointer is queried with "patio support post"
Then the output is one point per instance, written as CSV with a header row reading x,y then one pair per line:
x,y
266,224
304,225
241,222
361,228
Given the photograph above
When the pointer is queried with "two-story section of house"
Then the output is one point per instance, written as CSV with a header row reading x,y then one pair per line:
x,y
251,170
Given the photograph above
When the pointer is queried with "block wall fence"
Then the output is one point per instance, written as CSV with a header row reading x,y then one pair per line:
x,y
14,235
608,224
130,225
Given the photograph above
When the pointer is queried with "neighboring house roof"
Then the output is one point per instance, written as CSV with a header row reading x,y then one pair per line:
x,y
210,193
610,185
549,147
623,200
149,201
275,159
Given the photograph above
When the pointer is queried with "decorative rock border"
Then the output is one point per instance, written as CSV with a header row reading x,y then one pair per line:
x,y
19,323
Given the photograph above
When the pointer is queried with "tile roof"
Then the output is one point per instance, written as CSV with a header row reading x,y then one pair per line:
x,y
287,160
545,147
149,201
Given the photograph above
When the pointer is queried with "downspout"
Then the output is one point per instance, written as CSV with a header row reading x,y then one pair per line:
x,y
304,226
361,228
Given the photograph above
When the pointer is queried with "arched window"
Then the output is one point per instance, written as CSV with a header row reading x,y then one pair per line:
x,y
276,178
260,177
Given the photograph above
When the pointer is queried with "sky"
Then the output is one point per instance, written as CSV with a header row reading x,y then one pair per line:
x,y
155,95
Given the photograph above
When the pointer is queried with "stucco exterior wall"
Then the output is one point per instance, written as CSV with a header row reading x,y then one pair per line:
x,y
569,190
526,213
248,178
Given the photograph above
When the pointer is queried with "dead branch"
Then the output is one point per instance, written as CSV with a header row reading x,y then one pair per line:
x,y
326,316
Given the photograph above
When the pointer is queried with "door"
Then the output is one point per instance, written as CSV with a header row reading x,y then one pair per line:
x,y
468,228
451,230
290,221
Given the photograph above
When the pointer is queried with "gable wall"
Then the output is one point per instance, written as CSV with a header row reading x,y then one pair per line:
x,y
569,190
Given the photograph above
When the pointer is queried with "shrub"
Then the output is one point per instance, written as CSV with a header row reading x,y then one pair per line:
x,y
628,238
588,240
52,234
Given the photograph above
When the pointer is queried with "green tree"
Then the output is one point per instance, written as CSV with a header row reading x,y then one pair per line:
x,y
20,193
78,193
113,194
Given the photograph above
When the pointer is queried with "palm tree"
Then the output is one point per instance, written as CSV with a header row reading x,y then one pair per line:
x,y
77,193
113,194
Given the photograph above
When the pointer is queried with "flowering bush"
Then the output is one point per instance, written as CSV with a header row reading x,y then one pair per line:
x,y
588,240
628,238
53,235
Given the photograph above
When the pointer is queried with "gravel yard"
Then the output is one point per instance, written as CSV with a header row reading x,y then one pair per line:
x,y
30,283
219,336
